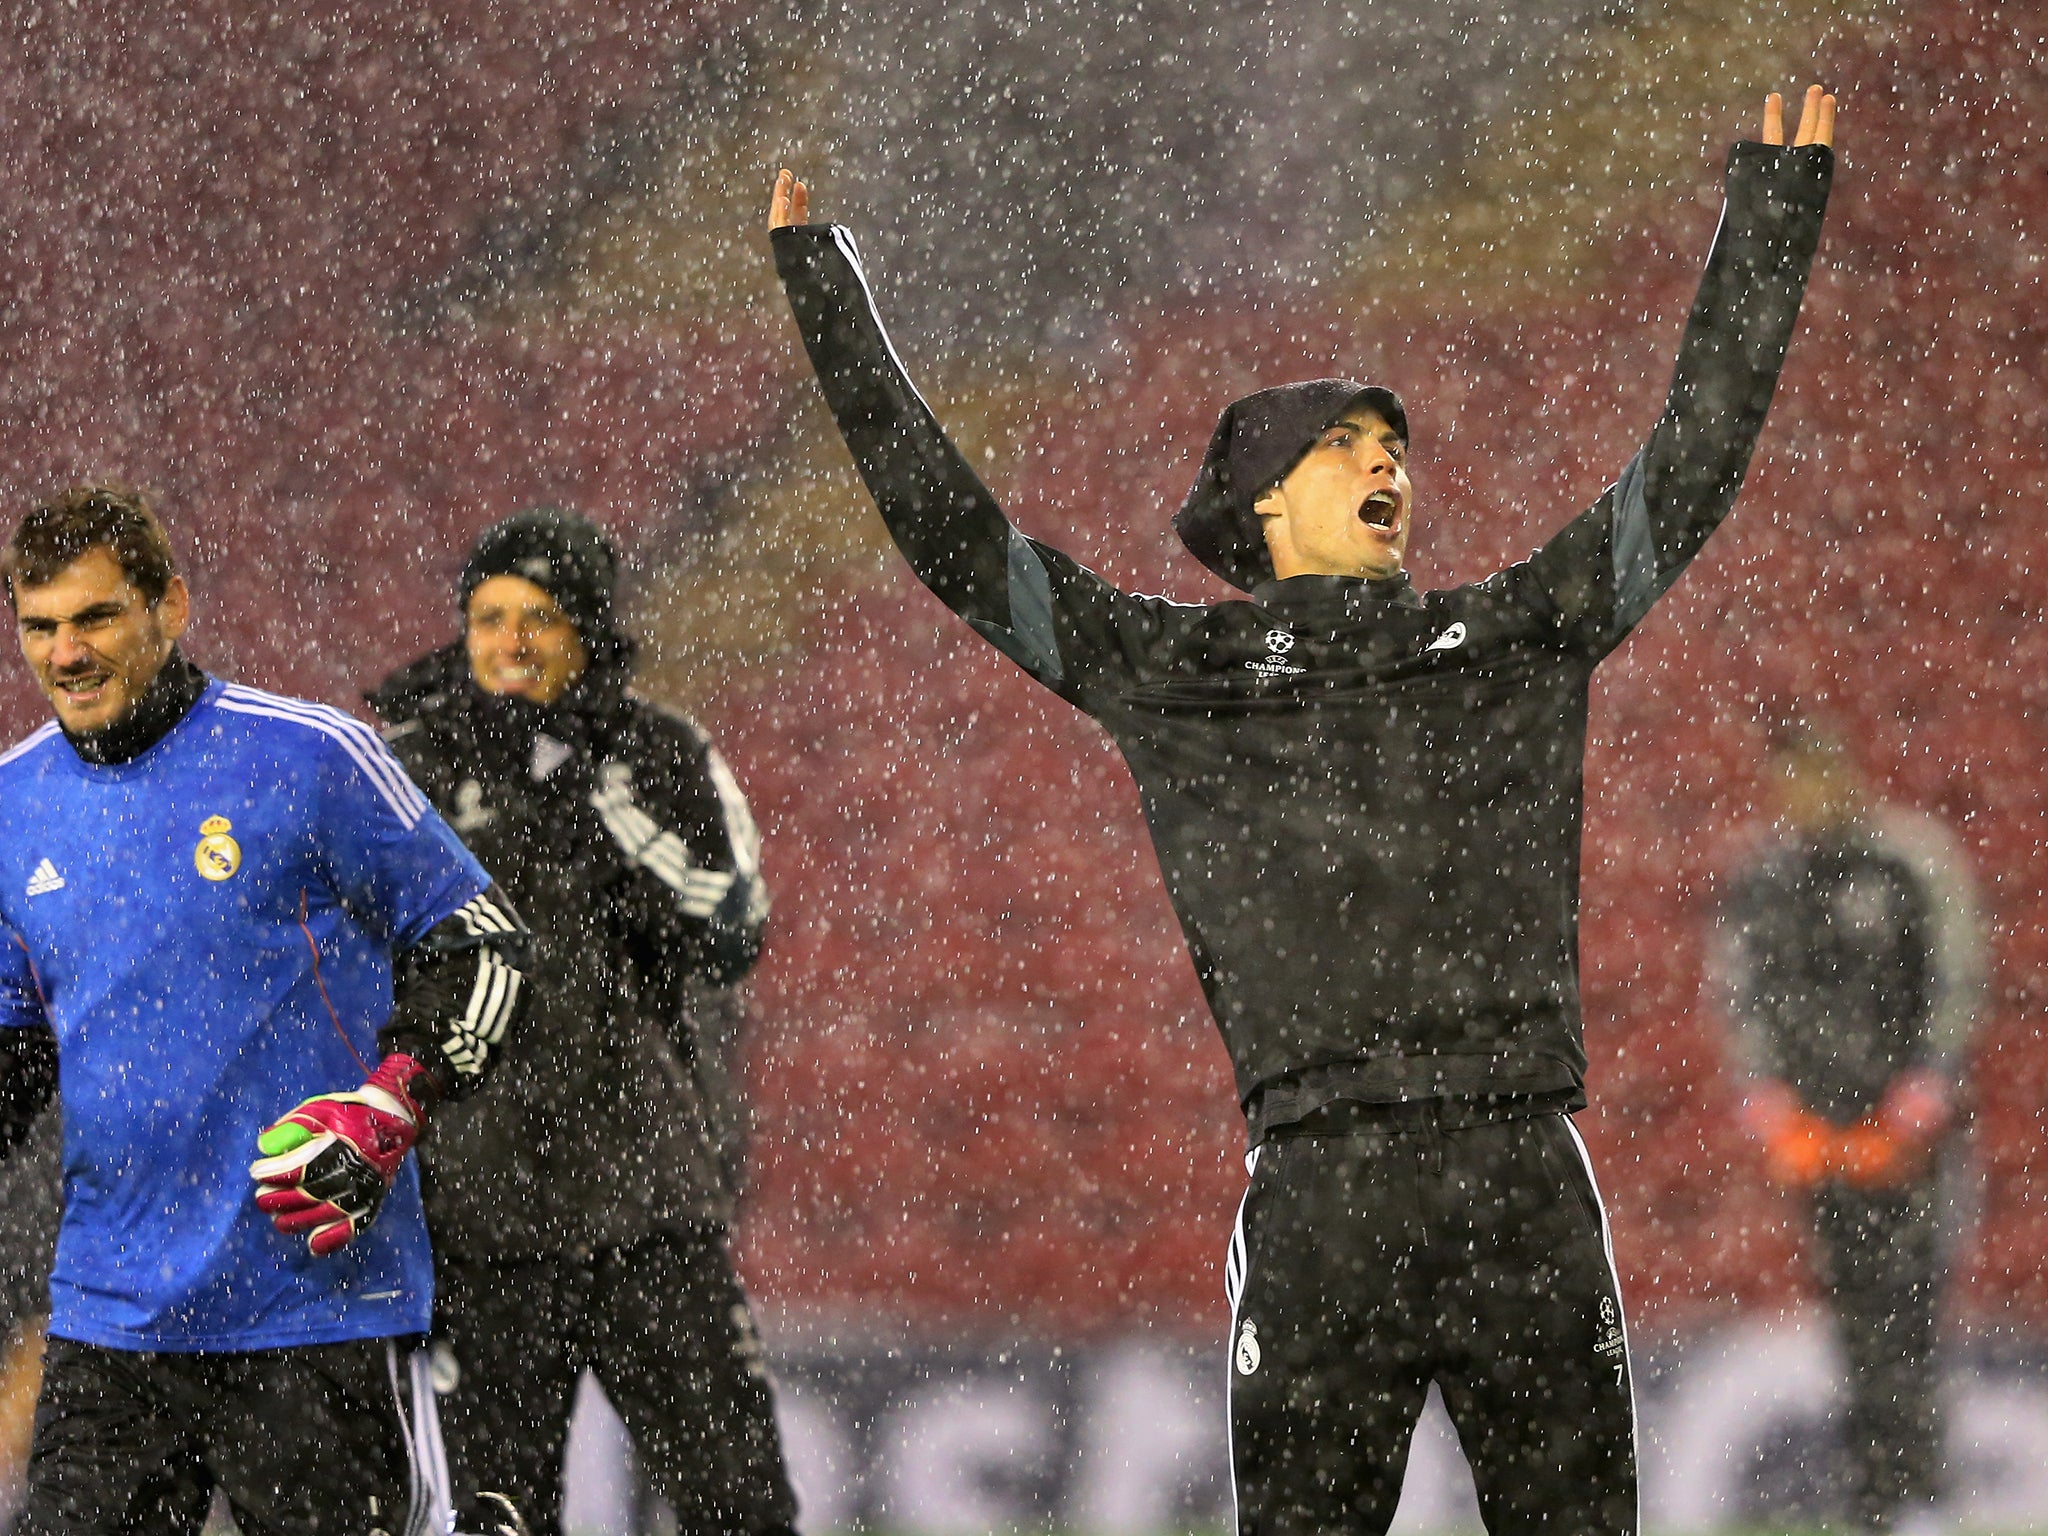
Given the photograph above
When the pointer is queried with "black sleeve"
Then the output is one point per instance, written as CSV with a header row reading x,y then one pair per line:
x,y
28,1080
690,899
31,1209
458,992
1597,578
1059,621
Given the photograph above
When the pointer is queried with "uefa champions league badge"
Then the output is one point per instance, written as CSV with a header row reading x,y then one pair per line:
x,y
1610,1341
1275,663
218,855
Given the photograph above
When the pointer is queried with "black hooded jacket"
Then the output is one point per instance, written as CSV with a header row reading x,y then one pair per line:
x,y
596,1134
1365,799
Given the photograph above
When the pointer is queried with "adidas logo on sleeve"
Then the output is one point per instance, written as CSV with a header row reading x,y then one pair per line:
x,y
45,879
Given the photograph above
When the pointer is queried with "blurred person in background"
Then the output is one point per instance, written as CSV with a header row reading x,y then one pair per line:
x,y
1852,956
618,827
215,901
1366,802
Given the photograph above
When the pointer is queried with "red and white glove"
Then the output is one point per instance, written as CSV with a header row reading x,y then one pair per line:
x,y
328,1165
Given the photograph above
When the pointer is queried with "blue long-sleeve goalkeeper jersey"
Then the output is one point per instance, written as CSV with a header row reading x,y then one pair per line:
x,y
175,919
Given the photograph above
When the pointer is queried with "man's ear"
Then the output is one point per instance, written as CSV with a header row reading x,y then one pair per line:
x,y
174,608
1271,511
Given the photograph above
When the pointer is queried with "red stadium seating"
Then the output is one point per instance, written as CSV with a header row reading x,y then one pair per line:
x,y
988,1092
226,228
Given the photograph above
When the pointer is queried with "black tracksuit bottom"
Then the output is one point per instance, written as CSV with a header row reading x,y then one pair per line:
x,y
1879,1262
304,1441
664,1327
1384,1247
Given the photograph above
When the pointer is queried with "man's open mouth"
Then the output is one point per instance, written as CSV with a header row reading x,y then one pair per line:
x,y
1381,512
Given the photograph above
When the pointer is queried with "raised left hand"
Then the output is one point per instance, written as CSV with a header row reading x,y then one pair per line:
x,y
790,203
1816,118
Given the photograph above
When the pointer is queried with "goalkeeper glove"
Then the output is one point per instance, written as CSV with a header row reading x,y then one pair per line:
x,y
1798,1145
328,1165
1871,1157
1894,1142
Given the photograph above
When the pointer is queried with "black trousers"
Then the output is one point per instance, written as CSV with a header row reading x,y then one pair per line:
x,y
664,1327
1405,1251
304,1442
1879,1261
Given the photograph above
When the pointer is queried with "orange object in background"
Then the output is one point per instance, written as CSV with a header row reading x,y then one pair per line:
x,y
1883,1149
21,1375
1798,1145
1801,1153
1871,1157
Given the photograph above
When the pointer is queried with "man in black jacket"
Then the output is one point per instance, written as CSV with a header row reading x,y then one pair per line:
x,y
618,826
1366,803
1852,955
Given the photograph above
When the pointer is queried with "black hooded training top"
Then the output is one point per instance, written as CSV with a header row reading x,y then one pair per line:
x,y
1365,799
595,1135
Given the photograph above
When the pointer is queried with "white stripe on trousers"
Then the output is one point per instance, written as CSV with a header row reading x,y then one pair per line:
x,y
1620,1311
430,1498
1236,1270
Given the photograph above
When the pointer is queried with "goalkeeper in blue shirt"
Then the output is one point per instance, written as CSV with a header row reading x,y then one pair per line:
x,y
255,951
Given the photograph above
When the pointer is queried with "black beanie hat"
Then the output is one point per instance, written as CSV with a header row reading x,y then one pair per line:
x,y
1256,442
565,555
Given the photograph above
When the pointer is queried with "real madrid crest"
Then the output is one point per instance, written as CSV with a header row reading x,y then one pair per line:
x,y
218,855
1248,1348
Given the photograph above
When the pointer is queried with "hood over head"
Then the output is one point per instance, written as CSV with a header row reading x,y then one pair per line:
x,y
1256,442
564,554
568,557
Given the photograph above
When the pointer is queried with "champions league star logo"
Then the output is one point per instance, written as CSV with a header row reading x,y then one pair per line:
x,y
1275,663
1609,1340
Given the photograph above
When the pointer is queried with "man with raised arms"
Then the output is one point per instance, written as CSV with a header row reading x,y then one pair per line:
x,y
1366,801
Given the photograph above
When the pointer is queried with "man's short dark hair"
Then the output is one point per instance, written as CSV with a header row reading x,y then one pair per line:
x,y
84,518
